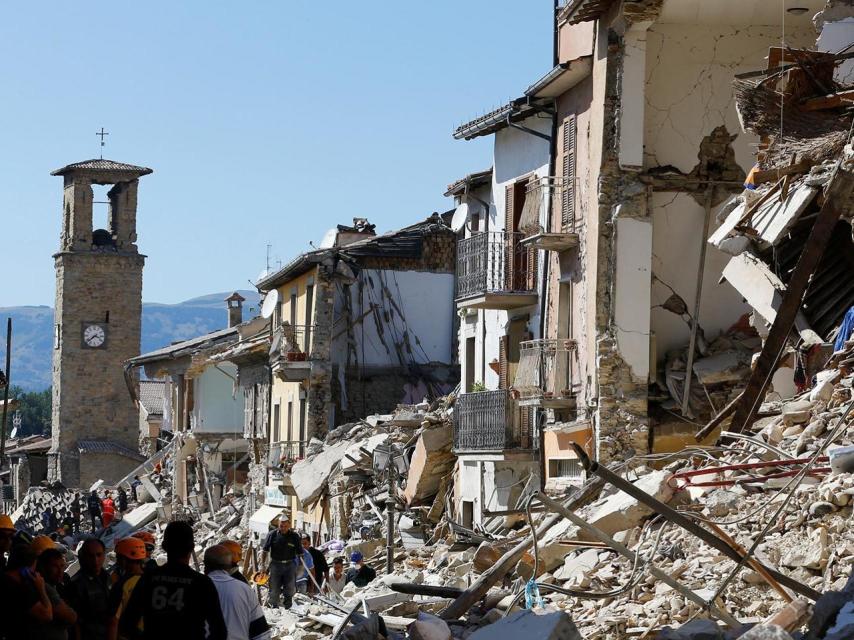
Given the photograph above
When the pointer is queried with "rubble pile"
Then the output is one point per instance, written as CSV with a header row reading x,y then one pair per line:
x,y
54,499
353,463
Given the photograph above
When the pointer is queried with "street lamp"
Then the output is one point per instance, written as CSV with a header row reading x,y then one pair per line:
x,y
389,459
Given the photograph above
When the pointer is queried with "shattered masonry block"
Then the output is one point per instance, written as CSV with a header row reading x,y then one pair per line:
x,y
527,624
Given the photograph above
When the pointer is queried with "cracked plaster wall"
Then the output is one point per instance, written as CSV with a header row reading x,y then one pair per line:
x,y
688,94
689,73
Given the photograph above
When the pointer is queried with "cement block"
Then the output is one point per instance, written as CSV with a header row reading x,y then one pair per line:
x,y
527,624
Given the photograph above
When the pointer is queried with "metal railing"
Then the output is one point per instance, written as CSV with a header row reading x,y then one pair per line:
x,y
546,369
294,342
561,189
491,421
495,262
285,454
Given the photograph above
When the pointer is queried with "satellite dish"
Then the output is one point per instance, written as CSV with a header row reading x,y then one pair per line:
x,y
329,239
270,302
461,216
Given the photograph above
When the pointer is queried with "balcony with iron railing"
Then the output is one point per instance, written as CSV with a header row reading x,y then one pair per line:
x,y
491,421
547,373
494,271
290,353
283,455
559,193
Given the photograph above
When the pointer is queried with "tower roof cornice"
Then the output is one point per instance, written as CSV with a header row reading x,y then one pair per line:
x,y
100,166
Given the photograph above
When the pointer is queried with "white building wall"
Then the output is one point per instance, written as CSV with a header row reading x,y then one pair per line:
x,y
688,92
216,406
426,302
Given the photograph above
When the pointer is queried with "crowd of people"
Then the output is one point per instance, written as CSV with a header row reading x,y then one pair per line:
x,y
137,598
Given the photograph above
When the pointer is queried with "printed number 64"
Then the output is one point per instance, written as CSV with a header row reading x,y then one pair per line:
x,y
160,598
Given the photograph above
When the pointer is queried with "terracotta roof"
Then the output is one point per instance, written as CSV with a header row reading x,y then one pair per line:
x,y
30,444
107,446
102,165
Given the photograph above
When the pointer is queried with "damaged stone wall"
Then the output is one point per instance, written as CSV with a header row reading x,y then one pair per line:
x,y
372,391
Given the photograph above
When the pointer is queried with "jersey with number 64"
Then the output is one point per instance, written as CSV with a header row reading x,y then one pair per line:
x,y
175,602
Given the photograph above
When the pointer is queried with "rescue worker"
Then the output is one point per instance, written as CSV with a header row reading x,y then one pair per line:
x,y
75,513
236,557
148,539
7,532
93,504
130,557
89,590
359,573
241,610
337,579
122,500
321,567
42,543
108,510
173,601
284,548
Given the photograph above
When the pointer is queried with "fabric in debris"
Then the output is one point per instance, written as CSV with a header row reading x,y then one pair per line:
x,y
845,330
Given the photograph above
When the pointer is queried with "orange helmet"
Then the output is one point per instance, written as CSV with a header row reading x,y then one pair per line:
x,y
41,543
6,523
146,536
131,548
235,549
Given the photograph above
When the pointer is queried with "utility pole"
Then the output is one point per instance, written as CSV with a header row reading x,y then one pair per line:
x,y
389,508
6,392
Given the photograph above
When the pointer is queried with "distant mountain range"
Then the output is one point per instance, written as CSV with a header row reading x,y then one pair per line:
x,y
162,324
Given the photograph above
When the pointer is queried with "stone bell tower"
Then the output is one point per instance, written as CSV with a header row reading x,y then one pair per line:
x,y
97,327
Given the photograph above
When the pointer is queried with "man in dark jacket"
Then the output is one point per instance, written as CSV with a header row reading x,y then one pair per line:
x,y
359,573
284,547
89,590
321,567
122,502
174,601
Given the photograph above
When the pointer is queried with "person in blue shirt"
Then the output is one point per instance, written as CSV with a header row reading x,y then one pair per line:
x,y
305,568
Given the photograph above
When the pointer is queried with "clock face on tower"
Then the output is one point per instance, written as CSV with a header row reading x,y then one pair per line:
x,y
94,335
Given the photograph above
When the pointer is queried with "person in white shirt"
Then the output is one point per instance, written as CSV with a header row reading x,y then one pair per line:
x,y
337,578
243,614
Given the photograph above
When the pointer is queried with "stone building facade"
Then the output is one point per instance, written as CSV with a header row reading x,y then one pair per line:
x,y
97,326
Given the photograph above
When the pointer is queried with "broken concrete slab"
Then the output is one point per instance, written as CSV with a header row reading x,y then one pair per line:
x,y
528,624
431,461
620,511
700,629
797,412
577,566
766,632
732,365
309,476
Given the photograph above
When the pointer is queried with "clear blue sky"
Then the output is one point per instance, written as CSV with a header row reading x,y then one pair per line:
x,y
267,122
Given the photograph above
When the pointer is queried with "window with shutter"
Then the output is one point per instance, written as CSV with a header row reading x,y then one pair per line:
x,y
567,196
502,362
509,250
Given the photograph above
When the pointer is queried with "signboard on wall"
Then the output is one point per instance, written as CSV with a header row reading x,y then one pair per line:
x,y
274,497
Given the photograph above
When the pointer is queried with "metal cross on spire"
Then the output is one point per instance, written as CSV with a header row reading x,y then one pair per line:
x,y
102,133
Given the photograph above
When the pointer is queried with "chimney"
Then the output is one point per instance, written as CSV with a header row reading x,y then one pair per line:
x,y
360,230
235,309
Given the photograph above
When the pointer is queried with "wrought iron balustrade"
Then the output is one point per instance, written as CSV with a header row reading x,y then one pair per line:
x,y
495,262
491,421
560,190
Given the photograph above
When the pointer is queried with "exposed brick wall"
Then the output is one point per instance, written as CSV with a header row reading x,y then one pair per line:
x,y
438,255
